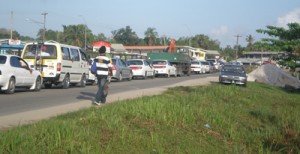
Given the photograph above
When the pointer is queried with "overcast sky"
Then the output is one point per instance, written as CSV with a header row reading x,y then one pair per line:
x,y
219,19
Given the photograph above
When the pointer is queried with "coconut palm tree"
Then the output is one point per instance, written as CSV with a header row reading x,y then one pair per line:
x,y
150,36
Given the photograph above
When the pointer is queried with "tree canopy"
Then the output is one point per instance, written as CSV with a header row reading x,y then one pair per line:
x,y
281,39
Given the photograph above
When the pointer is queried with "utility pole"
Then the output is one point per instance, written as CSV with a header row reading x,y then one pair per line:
x,y
44,30
11,24
237,46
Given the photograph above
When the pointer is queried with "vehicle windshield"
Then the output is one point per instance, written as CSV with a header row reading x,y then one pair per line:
x,y
36,50
195,62
135,62
3,59
233,69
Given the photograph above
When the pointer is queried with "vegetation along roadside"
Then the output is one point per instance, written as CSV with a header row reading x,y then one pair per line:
x,y
206,119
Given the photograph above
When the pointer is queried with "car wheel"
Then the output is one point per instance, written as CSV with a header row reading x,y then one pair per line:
x,y
153,75
83,81
38,84
168,75
145,76
120,77
130,76
11,86
175,74
66,82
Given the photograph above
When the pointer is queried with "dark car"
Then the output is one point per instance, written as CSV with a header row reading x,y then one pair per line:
x,y
235,74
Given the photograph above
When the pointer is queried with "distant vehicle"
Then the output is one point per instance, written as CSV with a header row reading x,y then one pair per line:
x,y
235,74
212,66
197,67
120,70
16,73
164,67
207,67
141,68
60,64
215,63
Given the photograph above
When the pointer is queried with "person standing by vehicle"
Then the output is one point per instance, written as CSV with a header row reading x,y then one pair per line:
x,y
103,64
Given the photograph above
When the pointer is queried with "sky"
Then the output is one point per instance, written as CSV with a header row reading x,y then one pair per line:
x,y
221,20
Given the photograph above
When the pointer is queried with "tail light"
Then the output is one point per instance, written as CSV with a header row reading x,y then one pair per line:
x,y
58,67
159,66
113,67
136,68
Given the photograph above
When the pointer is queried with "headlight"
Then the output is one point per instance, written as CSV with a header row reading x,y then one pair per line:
x,y
242,78
224,76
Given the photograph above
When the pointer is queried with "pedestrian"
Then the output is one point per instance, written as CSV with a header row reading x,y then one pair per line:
x,y
103,64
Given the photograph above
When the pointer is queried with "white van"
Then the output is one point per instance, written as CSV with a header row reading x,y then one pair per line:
x,y
60,64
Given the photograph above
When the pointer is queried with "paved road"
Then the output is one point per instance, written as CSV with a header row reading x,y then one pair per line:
x,y
24,107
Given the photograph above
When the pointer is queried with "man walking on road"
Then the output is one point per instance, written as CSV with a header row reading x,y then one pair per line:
x,y
103,64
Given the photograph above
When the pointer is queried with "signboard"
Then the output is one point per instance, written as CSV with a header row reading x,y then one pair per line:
x,y
14,42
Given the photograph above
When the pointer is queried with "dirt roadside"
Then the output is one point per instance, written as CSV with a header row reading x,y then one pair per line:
x,y
34,115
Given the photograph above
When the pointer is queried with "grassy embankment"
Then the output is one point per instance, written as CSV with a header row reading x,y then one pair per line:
x,y
210,119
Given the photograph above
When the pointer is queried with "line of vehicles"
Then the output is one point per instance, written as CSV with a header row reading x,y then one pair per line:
x,y
51,64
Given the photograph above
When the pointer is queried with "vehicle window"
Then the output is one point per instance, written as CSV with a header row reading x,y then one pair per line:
x,y
147,63
114,61
123,63
159,62
233,69
23,63
15,62
135,62
195,62
74,54
3,59
83,56
46,51
66,53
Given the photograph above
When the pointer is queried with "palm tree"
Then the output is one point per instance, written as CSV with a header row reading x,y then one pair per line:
x,y
150,36
250,40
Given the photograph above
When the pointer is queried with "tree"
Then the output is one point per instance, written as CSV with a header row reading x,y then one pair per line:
x,y
281,39
126,36
250,42
150,36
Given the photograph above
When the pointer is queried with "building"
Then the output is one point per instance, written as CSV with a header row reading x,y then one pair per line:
x,y
11,46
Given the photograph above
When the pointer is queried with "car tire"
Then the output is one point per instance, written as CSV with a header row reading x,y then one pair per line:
x,y
120,77
11,86
130,76
66,82
145,75
82,81
38,84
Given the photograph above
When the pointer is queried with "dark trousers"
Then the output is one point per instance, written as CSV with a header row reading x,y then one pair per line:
x,y
101,94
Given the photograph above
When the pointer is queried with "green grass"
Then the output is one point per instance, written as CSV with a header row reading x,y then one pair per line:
x,y
209,119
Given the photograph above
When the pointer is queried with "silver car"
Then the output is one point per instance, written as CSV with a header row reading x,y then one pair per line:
x,y
120,70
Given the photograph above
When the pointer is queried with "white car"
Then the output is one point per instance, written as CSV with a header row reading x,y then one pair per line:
x,y
141,68
197,67
16,73
207,67
164,67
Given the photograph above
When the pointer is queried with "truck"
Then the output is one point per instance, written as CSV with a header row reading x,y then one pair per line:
x,y
181,61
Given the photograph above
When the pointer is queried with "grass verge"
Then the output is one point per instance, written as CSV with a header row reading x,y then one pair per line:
x,y
211,119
